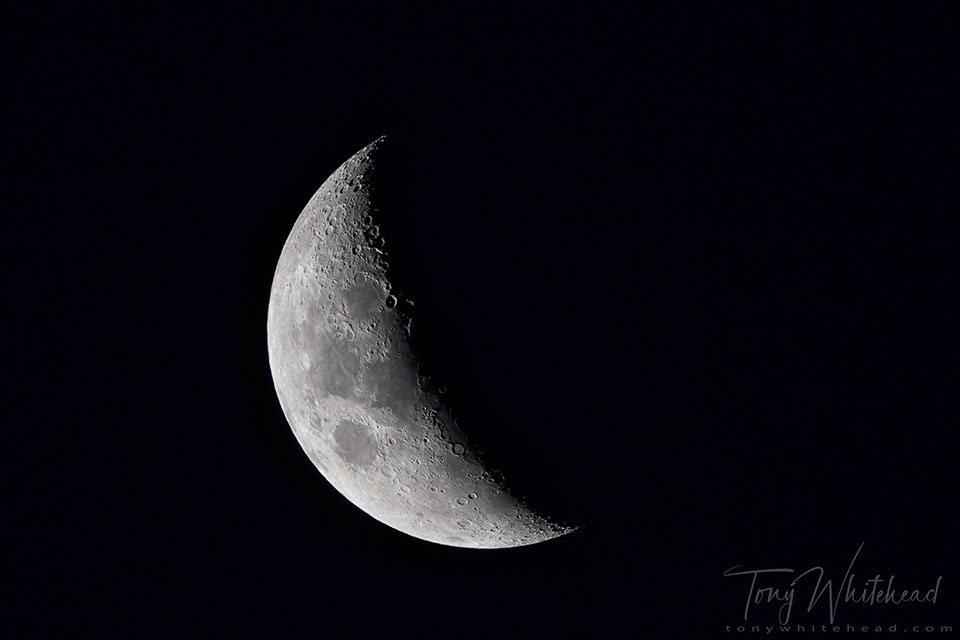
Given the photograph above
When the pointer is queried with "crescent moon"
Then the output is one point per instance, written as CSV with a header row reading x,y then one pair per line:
x,y
356,396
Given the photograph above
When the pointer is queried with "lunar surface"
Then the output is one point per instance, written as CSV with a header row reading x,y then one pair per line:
x,y
356,396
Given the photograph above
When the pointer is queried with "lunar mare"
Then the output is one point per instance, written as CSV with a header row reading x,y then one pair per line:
x,y
354,392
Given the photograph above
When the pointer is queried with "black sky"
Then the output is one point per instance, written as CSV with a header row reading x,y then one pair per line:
x,y
691,276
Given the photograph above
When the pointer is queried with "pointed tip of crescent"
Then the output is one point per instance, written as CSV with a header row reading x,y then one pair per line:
x,y
367,153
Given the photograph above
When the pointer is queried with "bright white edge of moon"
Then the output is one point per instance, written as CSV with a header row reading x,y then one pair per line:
x,y
354,393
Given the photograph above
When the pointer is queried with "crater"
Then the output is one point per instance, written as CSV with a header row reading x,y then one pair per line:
x,y
356,443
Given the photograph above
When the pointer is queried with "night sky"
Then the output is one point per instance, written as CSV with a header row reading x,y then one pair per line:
x,y
690,277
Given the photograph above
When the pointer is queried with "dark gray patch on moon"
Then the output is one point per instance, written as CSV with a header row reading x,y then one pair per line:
x,y
395,386
364,299
356,444
342,366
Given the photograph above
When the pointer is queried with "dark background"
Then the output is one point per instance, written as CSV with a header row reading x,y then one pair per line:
x,y
690,276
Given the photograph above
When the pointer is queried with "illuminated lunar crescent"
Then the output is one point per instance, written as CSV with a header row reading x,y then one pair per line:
x,y
354,393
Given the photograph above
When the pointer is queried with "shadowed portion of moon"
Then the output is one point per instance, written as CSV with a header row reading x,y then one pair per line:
x,y
355,395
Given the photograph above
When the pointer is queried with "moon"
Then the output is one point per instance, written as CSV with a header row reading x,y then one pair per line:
x,y
354,392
